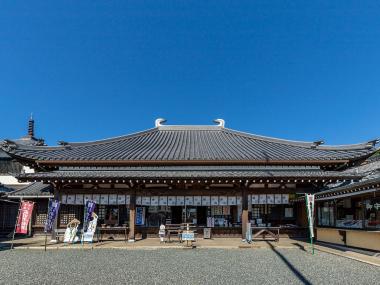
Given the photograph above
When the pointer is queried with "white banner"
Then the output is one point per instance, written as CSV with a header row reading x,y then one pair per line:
x,y
197,200
64,199
163,201
172,200
145,201
121,199
206,201
79,199
310,212
104,199
96,198
87,197
214,200
255,199
223,201
285,198
180,201
232,200
70,199
112,199
154,201
277,199
262,199
189,201
88,236
270,198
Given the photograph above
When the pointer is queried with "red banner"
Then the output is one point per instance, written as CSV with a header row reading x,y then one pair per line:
x,y
25,213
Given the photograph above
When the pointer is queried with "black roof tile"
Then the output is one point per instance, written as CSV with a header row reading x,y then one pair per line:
x,y
190,143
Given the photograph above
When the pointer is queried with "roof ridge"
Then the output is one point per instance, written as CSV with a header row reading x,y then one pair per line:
x,y
300,143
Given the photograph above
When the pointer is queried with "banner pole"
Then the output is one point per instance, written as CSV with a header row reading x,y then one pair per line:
x,y
309,222
14,230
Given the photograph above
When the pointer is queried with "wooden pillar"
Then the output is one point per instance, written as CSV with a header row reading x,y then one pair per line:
x,y
132,217
244,215
55,224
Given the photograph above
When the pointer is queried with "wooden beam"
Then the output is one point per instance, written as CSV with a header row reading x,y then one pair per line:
x,y
244,216
132,217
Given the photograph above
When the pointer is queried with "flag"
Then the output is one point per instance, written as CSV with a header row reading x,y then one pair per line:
x,y
25,213
90,208
310,212
52,214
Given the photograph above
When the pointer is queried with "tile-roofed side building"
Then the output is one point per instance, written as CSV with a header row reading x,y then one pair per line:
x,y
32,190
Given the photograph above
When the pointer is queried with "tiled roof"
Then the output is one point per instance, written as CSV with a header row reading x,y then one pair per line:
x,y
350,189
190,143
5,189
167,172
33,190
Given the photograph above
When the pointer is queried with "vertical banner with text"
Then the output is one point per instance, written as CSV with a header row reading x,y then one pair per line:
x,y
52,214
25,213
309,198
89,209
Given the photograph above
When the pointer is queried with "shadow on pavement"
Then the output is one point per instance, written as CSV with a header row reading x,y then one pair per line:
x,y
290,265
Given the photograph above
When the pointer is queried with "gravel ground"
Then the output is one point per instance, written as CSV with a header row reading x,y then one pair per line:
x,y
178,266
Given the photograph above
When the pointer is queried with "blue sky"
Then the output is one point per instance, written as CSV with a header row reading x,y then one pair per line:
x,y
95,69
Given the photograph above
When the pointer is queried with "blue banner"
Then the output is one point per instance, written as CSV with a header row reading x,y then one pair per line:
x,y
90,208
52,214
140,216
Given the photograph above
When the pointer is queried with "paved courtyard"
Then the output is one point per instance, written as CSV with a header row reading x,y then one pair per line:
x,y
182,266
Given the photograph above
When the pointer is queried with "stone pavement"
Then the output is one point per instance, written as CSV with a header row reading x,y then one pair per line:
x,y
38,243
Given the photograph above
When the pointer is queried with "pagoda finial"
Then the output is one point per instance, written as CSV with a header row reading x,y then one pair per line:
x,y
31,126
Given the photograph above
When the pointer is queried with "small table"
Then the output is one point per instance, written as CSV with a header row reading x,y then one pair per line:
x,y
173,229
112,230
273,232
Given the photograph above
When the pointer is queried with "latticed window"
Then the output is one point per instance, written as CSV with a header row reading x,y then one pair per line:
x,y
258,211
70,212
41,213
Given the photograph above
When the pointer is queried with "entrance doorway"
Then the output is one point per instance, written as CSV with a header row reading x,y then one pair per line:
x,y
202,216
176,214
